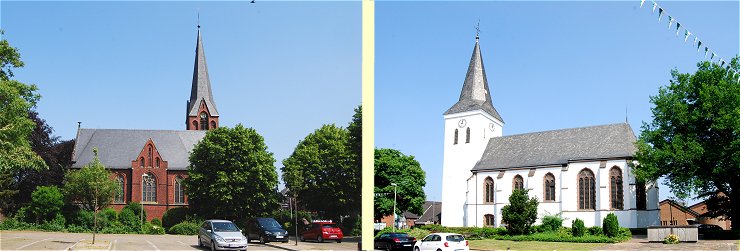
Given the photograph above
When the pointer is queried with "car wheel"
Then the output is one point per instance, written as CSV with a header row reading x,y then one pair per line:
x,y
416,248
388,247
339,241
320,239
439,249
213,246
262,239
200,243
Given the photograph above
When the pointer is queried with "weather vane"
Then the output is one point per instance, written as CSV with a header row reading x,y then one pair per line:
x,y
477,29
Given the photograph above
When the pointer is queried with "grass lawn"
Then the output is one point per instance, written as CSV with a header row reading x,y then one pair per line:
x,y
531,245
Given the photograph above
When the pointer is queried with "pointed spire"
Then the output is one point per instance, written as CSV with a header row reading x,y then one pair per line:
x,y
475,92
201,89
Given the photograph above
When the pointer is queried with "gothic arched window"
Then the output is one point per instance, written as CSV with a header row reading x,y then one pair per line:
x,y
156,162
549,187
120,189
488,220
149,188
149,154
467,135
488,190
455,142
195,125
141,162
213,124
518,182
179,193
586,190
203,121
616,192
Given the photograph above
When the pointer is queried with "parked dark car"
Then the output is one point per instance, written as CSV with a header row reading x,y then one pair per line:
x,y
266,230
321,231
706,228
394,241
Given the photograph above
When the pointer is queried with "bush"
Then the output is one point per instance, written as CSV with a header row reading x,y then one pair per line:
x,y
578,228
173,216
106,217
135,207
152,229
46,203
156,222
671,239
56,225
556,237
520,213
83,219
551,223
129,220
116,228
595,230
184,228
611,225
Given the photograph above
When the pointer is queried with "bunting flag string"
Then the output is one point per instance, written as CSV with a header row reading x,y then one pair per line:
x,y
697,42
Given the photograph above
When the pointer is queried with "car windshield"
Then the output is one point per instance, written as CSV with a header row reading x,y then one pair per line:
x,y
455,238
268,222
224,227
329,226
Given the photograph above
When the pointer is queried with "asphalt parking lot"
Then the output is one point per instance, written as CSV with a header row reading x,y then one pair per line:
x,y
31,240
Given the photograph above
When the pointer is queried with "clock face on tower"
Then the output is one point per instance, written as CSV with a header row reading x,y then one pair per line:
x,y
203,115
462,123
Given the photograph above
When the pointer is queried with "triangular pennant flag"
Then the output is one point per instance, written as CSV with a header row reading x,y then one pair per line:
x,y
642,2
721,62
660,14
712,56
686,34
670,22
706,50
654,5
698,46
678,27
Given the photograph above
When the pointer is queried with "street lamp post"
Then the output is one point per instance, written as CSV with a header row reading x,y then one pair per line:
x,y
141,211
394,204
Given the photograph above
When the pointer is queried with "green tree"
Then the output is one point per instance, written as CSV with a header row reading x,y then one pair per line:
x,y
392,166
521,212
232,175
610,226
694,138
90,186
321,173
46,203
16,100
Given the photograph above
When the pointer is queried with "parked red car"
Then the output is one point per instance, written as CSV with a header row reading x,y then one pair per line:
x,y
321,231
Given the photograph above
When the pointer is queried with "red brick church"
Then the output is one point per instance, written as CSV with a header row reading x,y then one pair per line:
x,y
149,165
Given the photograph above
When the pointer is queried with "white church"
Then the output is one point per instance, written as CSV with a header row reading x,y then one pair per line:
x,y
579,172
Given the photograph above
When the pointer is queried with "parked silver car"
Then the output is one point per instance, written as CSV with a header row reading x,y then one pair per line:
x,y
221,235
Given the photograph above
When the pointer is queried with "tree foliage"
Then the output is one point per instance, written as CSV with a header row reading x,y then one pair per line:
x,y
231,175
46,203
392,166
521,212
322,175
91,186
694,138
610,225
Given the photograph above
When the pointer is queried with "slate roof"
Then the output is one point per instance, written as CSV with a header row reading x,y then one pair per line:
x,y
475,94
431,213
201,89
118,147
558,147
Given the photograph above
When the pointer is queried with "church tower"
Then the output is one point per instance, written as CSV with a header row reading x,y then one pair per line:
x,y
201,113
469,124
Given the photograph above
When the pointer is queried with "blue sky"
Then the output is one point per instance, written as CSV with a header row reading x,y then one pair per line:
x,y
550,65
283,68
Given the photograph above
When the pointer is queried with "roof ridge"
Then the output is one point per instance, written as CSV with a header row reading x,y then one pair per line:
x,y
129,129
562,129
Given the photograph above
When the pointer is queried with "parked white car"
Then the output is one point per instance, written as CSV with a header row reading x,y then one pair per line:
x,y
221,235
442,242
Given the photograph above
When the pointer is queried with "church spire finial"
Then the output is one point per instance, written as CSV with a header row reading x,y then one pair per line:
x,y
198,18
477,30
